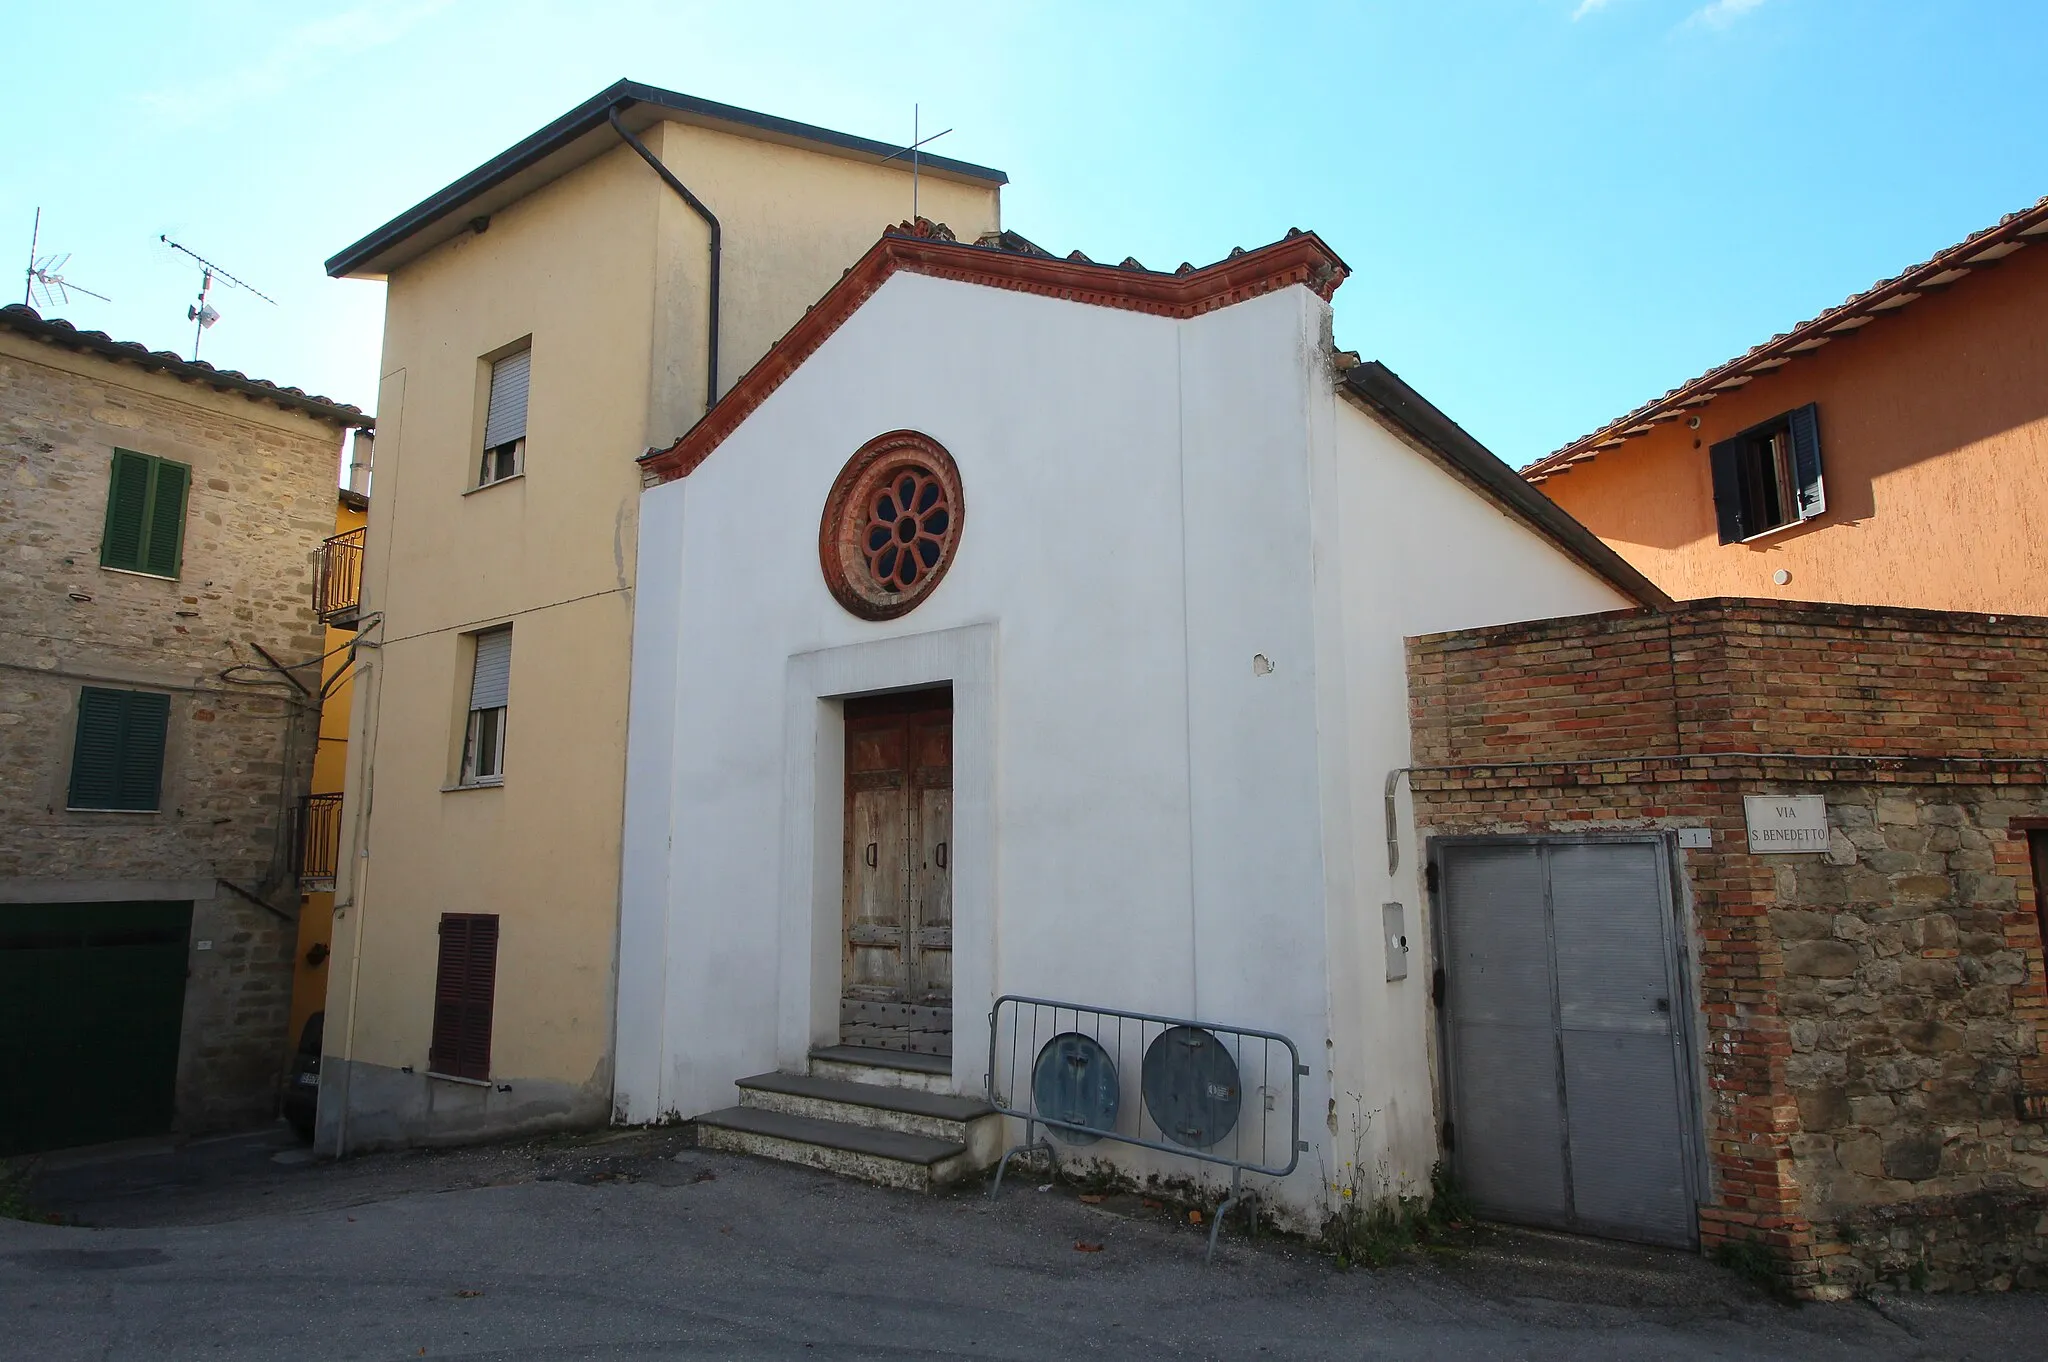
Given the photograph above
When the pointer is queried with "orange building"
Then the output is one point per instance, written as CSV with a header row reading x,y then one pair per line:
x,y
1892,451
319,829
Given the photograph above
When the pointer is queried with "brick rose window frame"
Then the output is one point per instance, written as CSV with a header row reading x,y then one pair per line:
x,y
891,525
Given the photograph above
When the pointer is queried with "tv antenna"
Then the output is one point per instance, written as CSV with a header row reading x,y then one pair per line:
x,y
202,312
914,152
47,286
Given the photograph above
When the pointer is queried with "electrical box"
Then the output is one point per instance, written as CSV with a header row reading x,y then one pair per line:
x,y
1394,918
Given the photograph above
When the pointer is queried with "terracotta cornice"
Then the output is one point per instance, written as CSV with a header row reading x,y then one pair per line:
x,y
1299,258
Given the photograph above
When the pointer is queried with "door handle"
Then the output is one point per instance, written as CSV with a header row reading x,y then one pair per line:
x,y
939,855
873,856
1663,1004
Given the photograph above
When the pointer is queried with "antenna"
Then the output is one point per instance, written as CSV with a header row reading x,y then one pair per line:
x,y
202,312
913,151
47,286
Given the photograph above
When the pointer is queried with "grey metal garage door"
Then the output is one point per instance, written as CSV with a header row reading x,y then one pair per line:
x,y
1567,1067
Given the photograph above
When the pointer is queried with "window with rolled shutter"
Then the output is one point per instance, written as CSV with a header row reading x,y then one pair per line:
x,y
490,684
145,530
505,418
465,986
117,754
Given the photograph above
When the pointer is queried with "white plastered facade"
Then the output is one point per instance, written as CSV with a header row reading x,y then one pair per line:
x,y
1173,627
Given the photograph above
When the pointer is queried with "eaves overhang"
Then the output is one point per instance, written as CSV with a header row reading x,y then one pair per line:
x,y
582,135
1380,390
1975,253
56,331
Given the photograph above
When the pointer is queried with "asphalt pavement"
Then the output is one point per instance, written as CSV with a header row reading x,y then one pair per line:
x,y
639,1246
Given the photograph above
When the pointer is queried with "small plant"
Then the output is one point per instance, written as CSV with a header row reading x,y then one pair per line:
x,y
1751,1260
1371,1224
14,1180
1917,1276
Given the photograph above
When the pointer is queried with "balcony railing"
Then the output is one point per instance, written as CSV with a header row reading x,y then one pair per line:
x,y
319,837
338,593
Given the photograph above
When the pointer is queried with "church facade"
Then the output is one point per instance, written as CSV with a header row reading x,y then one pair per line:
x,y
1031,626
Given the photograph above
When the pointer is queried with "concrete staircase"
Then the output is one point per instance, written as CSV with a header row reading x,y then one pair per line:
x,y
877,1115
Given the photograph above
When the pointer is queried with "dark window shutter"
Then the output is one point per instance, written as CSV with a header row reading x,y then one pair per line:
x,y
1726,458
127,507
1813,498
465,986
166,542
96,750
117,757
143,728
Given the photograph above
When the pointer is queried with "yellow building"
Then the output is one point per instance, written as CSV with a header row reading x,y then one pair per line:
x,y
337,591
548,317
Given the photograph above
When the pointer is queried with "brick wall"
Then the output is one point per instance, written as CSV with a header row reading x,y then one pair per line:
x,y
1869,1013
262,498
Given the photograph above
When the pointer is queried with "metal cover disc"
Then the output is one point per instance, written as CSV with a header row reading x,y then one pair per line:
x,y
1191,1086
1074,1080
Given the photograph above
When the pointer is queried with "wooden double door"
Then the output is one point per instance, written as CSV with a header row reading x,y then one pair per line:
x,y
898,941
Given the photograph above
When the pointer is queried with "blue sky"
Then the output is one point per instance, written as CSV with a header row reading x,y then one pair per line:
x,y
1555,209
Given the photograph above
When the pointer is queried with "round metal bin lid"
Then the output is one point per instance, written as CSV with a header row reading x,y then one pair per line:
x,y
1191,1086
1074,1080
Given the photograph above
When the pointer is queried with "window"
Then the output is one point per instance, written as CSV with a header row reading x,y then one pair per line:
x,y
145,514
465,983
117,758
483,745
1768,477
505,420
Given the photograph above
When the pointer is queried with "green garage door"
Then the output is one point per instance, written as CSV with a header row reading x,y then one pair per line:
x,y
91,995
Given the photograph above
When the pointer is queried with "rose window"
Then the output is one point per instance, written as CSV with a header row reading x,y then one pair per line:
x,y
890,524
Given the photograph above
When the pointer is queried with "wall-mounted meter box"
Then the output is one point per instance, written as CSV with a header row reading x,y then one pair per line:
x,y
1394,918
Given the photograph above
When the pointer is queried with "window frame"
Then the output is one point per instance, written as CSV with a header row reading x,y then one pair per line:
x,y
484,727
506,460
128,712
1778,460
152,470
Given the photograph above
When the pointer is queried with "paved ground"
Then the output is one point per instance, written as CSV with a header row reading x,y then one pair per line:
x,y
639,1247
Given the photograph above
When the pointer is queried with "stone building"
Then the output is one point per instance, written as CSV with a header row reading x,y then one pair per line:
x,y
158,529
1839,1031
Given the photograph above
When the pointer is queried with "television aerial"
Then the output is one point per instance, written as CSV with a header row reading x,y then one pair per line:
x,y
203,313
47,286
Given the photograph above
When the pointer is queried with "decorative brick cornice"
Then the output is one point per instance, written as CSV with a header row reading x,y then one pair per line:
x,y
924,248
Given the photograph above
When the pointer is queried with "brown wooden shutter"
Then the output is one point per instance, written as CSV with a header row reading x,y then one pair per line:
x,y
465,984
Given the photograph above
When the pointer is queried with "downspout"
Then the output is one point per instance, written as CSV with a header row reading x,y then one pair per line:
x,y
697,205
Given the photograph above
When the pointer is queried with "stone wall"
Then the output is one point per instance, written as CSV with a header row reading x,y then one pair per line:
x,y
1867,1015
240,739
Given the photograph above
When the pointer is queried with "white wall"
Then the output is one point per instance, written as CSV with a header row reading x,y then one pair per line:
x,y
1150,504
1413,551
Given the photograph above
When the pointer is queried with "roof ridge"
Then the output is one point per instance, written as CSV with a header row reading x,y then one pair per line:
x,y
1939,270
20,317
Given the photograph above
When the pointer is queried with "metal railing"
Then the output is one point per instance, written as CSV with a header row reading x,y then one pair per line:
x,y
319,836
338,591
1228,1095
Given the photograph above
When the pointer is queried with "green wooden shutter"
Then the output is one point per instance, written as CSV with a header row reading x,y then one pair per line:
x,y
142,750
166,541
1813,497
96,751
1725,460
145,514
117,757
127,508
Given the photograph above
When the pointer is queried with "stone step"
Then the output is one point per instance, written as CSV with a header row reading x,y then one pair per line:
x,y
891,1158
942,1116
884,1068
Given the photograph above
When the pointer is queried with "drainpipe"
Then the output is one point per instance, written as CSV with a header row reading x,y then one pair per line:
x,y
697,204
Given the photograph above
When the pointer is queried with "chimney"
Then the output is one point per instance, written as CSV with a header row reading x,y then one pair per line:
x,y
359,460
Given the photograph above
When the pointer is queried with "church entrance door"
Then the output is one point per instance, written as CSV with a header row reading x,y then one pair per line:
x,y
898,954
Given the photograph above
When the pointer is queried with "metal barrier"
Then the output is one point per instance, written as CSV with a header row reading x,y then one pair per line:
x,y
1228,1095
318,840
338,589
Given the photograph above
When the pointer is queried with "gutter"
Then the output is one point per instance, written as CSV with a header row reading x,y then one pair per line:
x,y
710,220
